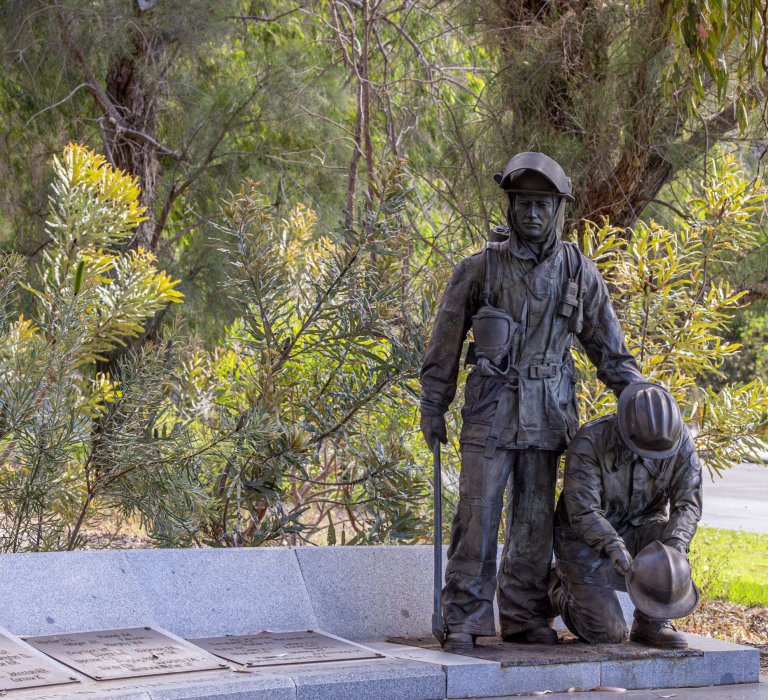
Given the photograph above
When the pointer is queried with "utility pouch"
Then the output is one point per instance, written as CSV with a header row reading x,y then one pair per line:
x,y
569,298
576,321
572,296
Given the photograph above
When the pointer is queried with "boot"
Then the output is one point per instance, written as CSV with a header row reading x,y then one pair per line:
x,y
657,633
554,594
536,635
458,642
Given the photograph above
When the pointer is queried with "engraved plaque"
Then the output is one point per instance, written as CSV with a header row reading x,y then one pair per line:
x,y
278,648
125,653
21,668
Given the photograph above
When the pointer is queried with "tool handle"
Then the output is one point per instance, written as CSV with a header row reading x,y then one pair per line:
x,y
438,629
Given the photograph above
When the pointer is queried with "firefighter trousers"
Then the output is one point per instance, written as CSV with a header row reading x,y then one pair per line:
x,y
471,576
587,602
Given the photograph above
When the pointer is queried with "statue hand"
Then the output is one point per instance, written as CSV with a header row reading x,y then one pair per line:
x,y
433,428
620,557
678,544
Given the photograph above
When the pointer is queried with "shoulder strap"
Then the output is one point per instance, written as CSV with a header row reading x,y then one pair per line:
x,y
488,274
573,260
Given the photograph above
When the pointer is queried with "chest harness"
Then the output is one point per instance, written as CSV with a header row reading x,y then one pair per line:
x,y
498,337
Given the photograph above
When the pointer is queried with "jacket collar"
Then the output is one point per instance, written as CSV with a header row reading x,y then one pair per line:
x,y
623,456
520,250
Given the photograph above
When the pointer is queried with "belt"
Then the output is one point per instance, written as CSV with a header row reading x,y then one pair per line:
x,y
513,382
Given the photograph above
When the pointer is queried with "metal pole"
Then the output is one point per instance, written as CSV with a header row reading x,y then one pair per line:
x,y
438,629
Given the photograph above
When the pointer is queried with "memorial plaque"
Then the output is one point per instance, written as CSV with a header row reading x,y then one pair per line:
x,y
124,653
278,648
21,668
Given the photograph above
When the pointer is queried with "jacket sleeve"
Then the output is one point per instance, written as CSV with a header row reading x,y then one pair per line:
x,y
582,493
684,495
601,334
460,302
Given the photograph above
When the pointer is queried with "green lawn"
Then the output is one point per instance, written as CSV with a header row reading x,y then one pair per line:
x,y
731,565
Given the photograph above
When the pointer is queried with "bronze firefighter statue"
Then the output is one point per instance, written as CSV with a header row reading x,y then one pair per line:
x,y
632,489
524,298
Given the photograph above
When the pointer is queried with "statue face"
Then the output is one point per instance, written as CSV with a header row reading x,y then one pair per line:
x,y
533,214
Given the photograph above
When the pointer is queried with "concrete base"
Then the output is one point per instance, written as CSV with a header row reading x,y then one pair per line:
x,y
360,593
415,673
710,662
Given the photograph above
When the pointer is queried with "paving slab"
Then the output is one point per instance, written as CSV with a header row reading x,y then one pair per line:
x,y
568,650
721,663
246,687
496,669
70,592
381,679
210,592
198,686
469,677
747,691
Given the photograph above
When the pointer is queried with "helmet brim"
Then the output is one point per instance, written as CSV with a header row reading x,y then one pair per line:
x,y
624,398
652,608
507,184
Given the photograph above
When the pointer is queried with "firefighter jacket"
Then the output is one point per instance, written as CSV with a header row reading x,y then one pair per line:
x,y
534,404
609,492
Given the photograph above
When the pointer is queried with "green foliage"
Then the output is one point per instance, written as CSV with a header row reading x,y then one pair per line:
x,y
723,42
669,290
289,429
731,565
308,383
60,469
94,209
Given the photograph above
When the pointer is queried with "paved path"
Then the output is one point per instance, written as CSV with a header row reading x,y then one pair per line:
x,y
748,691
738,500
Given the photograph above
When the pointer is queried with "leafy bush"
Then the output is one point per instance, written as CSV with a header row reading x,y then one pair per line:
x,y
671,291
290,429
309,382
72,437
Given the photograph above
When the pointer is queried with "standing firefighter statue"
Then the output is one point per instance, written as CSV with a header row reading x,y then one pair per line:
x,y
524,299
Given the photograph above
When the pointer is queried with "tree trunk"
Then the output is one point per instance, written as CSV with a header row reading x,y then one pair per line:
x,y
137,101
586,83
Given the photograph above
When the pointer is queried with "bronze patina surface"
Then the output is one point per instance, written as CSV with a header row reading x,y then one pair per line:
x,y
568,650
19,668
279,648
526,297
124,653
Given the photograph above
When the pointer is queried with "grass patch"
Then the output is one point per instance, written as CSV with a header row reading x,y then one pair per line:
x,y
731,565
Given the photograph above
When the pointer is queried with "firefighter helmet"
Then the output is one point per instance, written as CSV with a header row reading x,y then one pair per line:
x,y
649,420
539,163
659,583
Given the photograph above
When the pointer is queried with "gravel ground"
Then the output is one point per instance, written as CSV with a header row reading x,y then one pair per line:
x,y
733,623
94,539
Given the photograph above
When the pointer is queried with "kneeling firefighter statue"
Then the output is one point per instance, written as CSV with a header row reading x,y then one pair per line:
x,y
524,299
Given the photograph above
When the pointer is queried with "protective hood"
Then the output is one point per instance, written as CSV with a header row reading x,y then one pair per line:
x,y
556,226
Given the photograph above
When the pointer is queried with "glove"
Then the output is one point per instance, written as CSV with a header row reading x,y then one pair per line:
x,y
678,544
433,428
619,556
